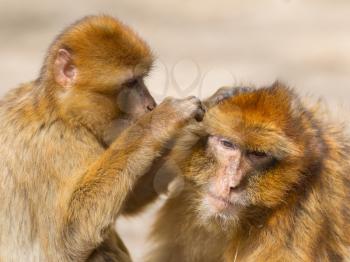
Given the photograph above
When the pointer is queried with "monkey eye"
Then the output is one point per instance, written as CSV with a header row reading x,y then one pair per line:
x,y
131,83
257,155
228,144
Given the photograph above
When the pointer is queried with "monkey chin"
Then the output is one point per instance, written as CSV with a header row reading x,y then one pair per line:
x,y
219,210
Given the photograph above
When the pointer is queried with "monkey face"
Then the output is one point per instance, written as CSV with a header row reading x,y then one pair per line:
x,y
231,182
229,188
252,157
130,102
134,99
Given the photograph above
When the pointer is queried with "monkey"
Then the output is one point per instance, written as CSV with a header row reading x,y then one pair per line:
x,y
267,181
64,180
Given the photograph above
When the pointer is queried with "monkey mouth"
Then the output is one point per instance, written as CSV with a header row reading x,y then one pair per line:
x,y
221,204
222,199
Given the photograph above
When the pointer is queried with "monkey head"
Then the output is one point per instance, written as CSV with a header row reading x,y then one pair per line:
x,y
257,151
96,67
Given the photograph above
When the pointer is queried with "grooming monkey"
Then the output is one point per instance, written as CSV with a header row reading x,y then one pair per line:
x,y
62,182
270,181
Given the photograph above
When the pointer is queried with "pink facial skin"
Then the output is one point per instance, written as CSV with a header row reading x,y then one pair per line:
x,y
224,192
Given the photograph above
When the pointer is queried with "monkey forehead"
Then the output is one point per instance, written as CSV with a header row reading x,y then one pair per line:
x,y
272,107
257,120
106,39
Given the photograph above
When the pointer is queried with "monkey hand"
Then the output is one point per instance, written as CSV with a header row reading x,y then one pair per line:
x,y
184,109
172,115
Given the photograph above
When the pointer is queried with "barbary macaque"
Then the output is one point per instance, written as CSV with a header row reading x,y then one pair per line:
x,y
268,181
64,178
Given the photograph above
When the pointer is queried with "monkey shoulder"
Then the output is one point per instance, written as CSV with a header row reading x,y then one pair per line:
x,y
37,138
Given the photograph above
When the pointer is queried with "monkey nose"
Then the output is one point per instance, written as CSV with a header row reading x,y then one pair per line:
x,y
235,182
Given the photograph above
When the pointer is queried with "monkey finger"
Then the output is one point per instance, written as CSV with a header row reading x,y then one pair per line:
x,y
199,114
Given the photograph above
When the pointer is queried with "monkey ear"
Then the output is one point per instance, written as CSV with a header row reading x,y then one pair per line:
x,y
64,69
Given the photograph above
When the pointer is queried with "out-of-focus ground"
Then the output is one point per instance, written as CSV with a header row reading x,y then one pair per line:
x,y
201,45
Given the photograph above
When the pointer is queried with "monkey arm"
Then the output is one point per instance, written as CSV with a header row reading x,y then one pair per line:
x,y
142,194
163,170
146,190
95,198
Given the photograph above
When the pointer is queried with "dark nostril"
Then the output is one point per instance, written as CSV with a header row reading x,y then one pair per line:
x,y
238,188
150,107
232,188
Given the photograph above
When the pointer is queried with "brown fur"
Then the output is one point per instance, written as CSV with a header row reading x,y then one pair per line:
x,y
298,210
62,185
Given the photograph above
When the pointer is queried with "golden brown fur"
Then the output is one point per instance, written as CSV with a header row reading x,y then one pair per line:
x,y
61,184
297,209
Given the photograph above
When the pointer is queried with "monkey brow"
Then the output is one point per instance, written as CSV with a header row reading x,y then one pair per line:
x,y
266,139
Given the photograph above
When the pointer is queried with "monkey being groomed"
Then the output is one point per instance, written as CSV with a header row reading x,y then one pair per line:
x,y
269,181
64,178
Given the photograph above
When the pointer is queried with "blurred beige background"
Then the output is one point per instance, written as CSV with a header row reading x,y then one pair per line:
x,y
201,45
